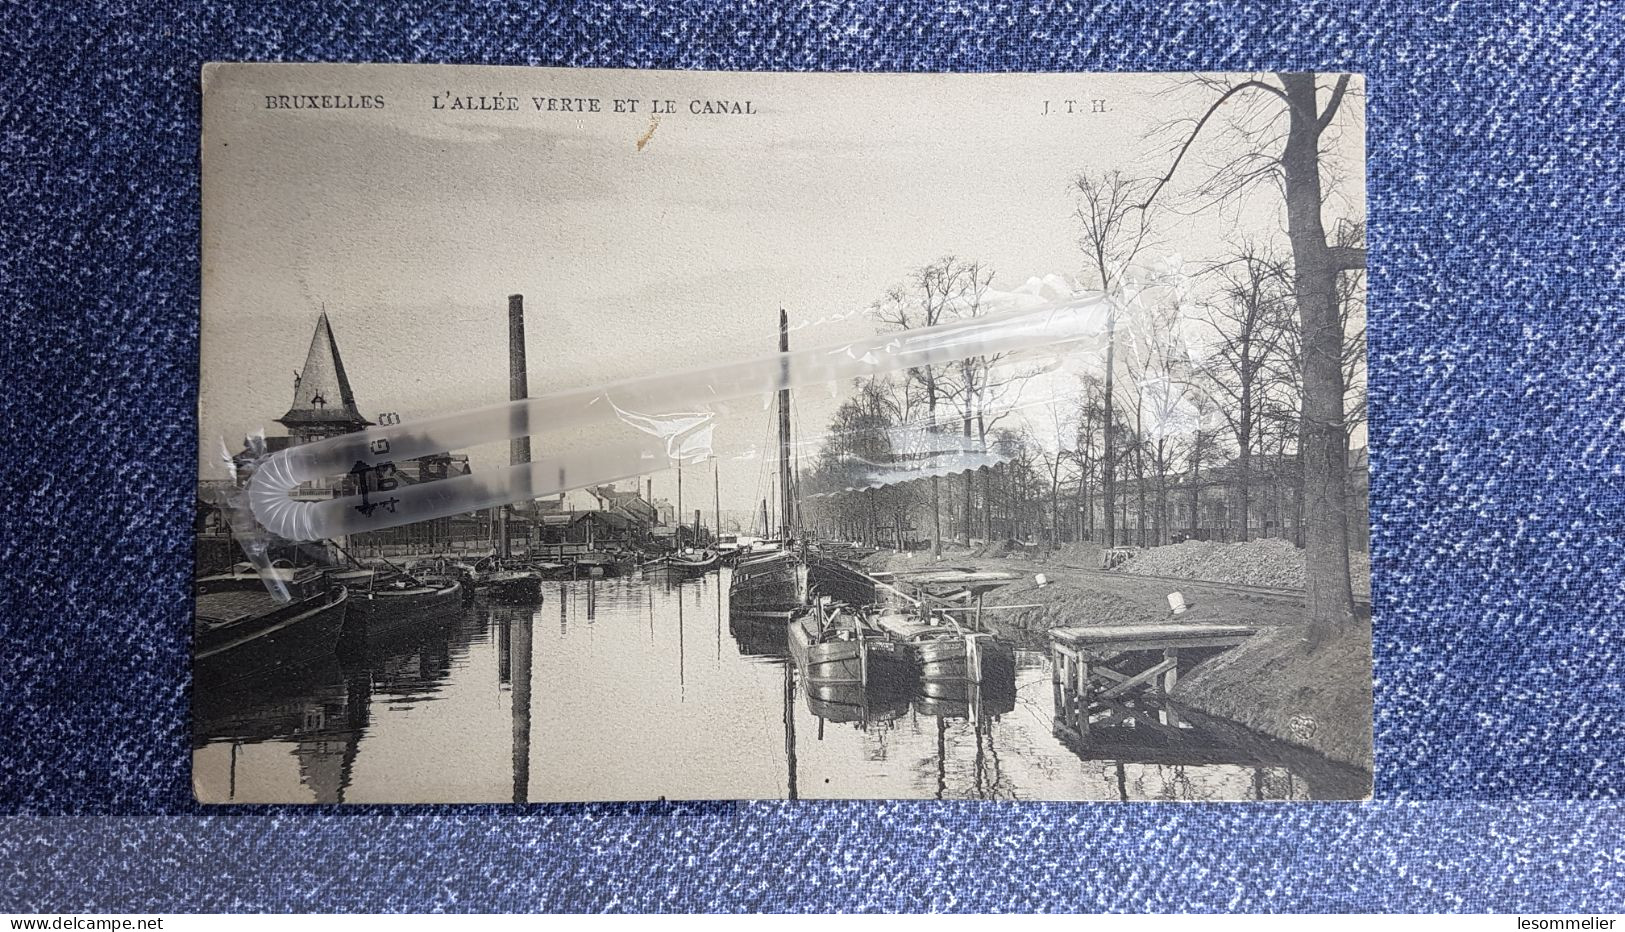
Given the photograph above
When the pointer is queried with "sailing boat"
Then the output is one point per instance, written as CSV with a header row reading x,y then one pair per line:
x,y
686,561
597,562
774,583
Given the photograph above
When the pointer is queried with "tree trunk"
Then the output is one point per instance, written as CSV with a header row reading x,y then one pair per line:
x,y
1244,485
1139,468
1122,516
987,503
969,474
1297,498
995,492
987,487
1108,462
1162,505
936,484
871,536
1016,503
1283,486
1055,510
1329,599
1077,510
1088,503
1196,495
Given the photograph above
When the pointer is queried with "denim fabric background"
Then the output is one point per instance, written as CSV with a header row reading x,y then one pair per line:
x,y
1497,499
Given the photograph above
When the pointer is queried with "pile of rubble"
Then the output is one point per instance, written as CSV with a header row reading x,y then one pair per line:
x,y
995,550
1039,608
1275,563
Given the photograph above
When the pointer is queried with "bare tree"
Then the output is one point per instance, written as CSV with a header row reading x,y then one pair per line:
x,y
1136,441
1201,449
980,383
1055,463
1113,213
975,382
1089,418
1351,304
846,482
933,294
1161,368
1283,124
1023,477
1278,413
1245,322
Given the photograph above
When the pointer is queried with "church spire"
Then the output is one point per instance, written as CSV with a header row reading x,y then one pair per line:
x,y
323,404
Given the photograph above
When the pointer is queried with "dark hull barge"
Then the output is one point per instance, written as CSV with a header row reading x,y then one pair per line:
x,y
402,603
684,565
512,587
240,629
602,564
849,703
946,653
838,646
772,583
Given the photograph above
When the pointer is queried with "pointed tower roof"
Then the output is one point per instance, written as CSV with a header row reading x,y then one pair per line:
x,y
321,394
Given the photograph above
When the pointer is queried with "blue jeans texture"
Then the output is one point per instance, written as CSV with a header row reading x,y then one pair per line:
x,y
1497,271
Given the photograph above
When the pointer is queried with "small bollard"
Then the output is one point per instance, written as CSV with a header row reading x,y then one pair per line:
x,y
1176,603
1041,580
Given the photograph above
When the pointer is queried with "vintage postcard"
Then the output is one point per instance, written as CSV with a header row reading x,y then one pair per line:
x,y
575,435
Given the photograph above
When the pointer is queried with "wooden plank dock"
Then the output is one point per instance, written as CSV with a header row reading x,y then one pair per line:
x,y
1103,671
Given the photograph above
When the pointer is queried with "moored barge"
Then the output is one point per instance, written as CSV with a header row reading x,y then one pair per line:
x,y
241,629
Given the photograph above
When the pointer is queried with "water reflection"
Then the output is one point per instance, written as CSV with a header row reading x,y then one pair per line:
x,y
318,714
315,711
647,689
519,651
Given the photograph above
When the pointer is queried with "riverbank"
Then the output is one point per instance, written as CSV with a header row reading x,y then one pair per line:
x,y
1274,563
1316,698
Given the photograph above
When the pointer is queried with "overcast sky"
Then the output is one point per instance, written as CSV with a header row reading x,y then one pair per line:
x,y
411,225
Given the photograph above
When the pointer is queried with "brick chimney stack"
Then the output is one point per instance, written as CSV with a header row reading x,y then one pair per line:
x,y
518,382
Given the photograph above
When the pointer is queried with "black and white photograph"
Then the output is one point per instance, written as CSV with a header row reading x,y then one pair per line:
x,y
598,435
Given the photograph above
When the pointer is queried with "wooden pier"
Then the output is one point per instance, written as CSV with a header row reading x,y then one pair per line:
x,y
1122,674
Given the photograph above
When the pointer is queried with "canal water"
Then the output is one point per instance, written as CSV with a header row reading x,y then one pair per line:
x,y
641,689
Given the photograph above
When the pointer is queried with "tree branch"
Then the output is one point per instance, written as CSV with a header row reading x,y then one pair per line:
x,y
1346,258
1325,119
1197,131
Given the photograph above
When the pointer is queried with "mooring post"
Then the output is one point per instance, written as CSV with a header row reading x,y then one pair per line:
x,y
1169,680
1068,700
1057,663
863,656
1082,666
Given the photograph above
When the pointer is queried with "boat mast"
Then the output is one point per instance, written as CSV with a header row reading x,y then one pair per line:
x,y
786,497
677,537
716,501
